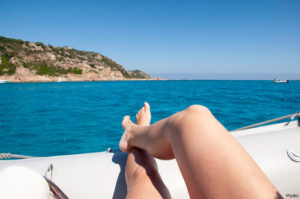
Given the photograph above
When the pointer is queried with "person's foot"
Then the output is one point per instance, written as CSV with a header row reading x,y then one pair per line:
x,y
143,117
127,126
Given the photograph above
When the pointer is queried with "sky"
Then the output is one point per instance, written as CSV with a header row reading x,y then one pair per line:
x,y
195,38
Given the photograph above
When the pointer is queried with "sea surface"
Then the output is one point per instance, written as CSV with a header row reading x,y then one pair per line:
x,y
45,119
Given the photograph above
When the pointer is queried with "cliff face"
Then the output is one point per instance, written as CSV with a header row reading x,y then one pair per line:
x,y
22,61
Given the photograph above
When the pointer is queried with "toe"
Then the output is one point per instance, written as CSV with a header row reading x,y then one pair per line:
x,y
147,106
126,119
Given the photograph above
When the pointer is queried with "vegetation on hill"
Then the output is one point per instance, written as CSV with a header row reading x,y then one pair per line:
x,y
139,74
54,61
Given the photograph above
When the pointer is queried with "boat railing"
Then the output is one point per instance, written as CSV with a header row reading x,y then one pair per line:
x,y
290,116
11,156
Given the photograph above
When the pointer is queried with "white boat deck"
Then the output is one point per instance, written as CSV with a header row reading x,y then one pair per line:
x,y
101,175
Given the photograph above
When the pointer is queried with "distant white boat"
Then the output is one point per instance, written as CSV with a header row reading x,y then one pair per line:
x,y
280,81
3,81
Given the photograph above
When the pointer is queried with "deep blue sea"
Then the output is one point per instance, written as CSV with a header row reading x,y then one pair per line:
x,y
44,119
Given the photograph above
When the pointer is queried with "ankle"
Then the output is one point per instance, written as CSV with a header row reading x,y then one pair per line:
x,y
130,136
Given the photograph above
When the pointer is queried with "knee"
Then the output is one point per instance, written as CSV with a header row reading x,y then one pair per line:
x,y
196,109
195,113
191,115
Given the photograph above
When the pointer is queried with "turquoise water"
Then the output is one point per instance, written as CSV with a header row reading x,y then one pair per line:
x,y
44,119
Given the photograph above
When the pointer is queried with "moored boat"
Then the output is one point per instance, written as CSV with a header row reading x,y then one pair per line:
x,y
275,148
280,81
3,81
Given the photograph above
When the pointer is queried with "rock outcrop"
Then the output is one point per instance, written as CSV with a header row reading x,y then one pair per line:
x,y
23,61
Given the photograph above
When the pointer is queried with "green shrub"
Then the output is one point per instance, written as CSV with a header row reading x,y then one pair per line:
x,y
8,55
77,71
11,71
55,70
80,52
39,44
25,65
19,41
6,67
45,70
49,70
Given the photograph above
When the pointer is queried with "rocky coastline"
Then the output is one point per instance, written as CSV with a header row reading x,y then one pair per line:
x,y
24,61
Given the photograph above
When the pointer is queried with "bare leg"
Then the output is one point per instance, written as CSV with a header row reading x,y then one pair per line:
x,y
142,177
212,162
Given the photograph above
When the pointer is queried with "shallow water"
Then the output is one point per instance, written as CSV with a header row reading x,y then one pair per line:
x,y
44,119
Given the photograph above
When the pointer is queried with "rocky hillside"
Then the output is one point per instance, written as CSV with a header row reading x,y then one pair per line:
x,y
22,61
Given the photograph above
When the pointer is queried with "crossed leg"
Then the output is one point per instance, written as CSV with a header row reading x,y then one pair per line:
x,y
141,174
212,162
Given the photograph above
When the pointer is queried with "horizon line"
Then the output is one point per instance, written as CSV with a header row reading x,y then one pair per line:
x,y
227,76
